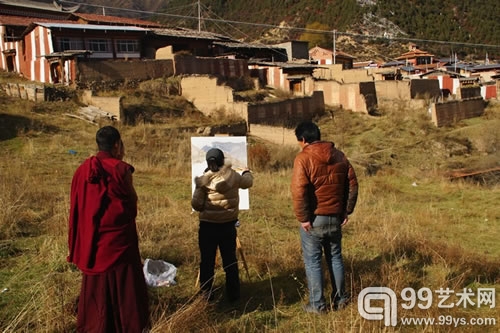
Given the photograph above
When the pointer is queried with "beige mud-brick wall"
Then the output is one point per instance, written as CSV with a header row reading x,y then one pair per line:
x,y
406,90
309,86
444,114
350,98
335,72
209,97
112,105
165,53
331,91
358,97
392,94
377,73
274,134
390,90
287,112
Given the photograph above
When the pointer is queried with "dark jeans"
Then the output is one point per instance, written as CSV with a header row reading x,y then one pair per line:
x,y
325,236
223,236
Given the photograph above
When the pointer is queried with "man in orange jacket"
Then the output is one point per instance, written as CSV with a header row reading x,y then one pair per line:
x,y
324,192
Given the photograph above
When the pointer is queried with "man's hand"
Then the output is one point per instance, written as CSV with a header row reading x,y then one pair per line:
x,y
306,226
346,220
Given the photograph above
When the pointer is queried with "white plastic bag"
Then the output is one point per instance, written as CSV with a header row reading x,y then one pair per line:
x,y
159,273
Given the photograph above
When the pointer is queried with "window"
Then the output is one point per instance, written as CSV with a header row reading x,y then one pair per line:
x,y
423,60
127,46
70,44
98,45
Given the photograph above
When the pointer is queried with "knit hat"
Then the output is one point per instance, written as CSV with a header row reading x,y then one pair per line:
x,y
217,155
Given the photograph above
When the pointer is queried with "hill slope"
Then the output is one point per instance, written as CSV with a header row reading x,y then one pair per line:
x,y
460,21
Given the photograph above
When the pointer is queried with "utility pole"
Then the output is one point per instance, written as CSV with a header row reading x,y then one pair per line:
x,y
334,50
199,16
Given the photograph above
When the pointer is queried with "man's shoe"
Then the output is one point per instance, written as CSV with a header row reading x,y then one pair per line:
x,y
341,305
311,309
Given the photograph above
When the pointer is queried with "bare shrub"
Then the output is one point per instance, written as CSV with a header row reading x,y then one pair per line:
x,y
161,87
258,157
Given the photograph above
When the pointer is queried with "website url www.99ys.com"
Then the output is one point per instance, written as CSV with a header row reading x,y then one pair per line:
x,y
448,320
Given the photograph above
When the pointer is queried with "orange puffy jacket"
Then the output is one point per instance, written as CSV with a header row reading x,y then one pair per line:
x,y
323,182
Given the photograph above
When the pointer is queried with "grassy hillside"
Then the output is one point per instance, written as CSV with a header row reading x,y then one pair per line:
x,y
413,227
467,21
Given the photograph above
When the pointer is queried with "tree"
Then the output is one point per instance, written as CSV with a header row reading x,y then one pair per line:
x,y
317,34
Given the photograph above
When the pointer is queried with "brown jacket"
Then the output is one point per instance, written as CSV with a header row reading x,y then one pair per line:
x,y
216,194
323,182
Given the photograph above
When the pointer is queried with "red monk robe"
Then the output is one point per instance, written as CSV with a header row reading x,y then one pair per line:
x,y
103,244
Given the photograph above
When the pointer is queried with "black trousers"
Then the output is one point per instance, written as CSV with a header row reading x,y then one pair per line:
x,y
223,236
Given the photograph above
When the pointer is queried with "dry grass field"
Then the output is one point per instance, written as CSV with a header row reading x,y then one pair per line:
x,y
413,227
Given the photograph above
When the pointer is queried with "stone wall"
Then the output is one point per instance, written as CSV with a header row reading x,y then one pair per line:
x,y
444,114
28,91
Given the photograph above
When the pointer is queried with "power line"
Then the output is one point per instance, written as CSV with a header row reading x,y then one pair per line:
x,y
271,26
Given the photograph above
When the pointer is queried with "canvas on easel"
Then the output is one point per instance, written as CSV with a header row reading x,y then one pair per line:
x,y
235,151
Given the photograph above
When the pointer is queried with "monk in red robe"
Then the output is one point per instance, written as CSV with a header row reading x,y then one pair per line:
x,y
103,241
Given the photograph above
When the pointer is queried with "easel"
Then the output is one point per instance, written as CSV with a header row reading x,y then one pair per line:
x,y
239,249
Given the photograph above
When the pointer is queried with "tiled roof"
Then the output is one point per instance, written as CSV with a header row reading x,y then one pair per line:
x,y
189,33
99,19
53,7
22,21
414,54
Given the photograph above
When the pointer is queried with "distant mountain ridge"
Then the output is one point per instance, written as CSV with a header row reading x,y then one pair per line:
x,y
466,21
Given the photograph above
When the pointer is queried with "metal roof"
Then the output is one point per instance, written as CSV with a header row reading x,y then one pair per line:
x,y
393,63
52,25
486,67
408,68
